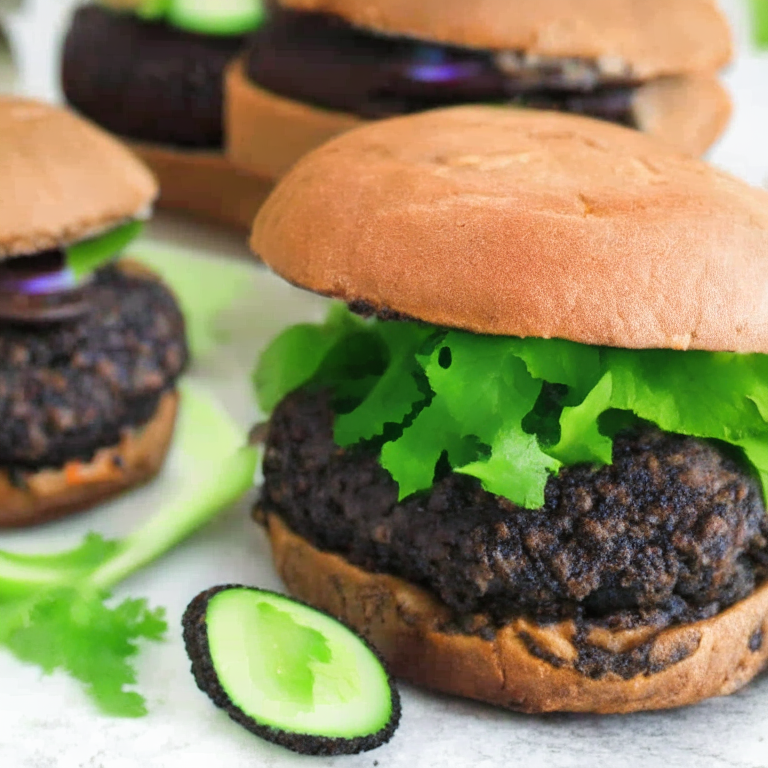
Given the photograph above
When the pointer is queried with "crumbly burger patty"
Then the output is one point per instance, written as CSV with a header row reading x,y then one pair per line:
x,y
147,80
673,531
376,76
68,389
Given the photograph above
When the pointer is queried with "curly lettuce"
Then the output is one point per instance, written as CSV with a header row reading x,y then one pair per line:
x,y
510,412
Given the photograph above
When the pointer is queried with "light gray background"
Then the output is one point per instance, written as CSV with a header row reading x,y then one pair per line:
x,y
47,722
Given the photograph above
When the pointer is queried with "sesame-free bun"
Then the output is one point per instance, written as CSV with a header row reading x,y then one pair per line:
x,y
526,666
524,223
51,493
63,178
206,184
268,133
653,37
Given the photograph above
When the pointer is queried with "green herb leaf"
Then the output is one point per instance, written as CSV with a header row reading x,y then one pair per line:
x,y
297,354
512,411
72,629
87,256
394,394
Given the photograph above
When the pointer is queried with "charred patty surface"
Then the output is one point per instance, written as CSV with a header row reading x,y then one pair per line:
x,y
147,80
673,531
68,389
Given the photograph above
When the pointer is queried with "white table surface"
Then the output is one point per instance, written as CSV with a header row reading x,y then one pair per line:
x,y
49,723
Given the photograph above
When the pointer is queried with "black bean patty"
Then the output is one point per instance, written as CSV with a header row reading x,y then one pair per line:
x,y
372,75
147,80
673,531
68,389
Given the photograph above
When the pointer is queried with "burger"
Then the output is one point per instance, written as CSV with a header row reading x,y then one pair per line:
x,y
527,454
152,72
317,68
90,348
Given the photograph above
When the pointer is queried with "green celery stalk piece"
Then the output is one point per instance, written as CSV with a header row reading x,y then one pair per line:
x,y
760,22
55,610
203,287
87,256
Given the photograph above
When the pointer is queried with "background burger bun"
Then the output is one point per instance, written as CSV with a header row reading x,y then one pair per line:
x,y
268,133
524,223
70,179
652,37
695,661
206,184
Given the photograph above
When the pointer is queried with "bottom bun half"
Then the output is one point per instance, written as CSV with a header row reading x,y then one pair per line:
x,y
206,184
687,663
51,493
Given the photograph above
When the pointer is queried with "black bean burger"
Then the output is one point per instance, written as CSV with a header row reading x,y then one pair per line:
x,y
527,453
90,349
152,71
320,67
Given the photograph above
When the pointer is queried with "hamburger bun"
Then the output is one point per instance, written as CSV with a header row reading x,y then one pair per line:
x,y
206,184
524,223
651,37
269,133
49,152
526,667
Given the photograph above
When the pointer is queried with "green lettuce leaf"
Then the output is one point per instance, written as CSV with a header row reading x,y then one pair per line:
x,y
511,412
88,255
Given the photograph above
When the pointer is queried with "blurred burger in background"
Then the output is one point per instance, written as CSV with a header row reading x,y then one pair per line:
x,y
316,68
90,347
152,72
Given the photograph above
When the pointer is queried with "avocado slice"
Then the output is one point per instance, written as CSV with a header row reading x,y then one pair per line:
x,y
223,17
289,673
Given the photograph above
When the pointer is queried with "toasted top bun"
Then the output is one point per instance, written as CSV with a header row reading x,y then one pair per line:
x,y
525,223
650,37
63,179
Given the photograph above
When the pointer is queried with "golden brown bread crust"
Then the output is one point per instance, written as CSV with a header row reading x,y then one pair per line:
x,y
206,184
523,223
655,37
696,661
268,133
690,113
64,179
49,494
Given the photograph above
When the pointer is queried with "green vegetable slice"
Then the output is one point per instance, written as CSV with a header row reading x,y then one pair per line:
x,y
760,22
289,673
512,411
203,287
87,256
222,17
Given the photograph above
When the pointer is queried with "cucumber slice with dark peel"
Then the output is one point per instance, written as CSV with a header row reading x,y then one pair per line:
x,y
223,17
289,673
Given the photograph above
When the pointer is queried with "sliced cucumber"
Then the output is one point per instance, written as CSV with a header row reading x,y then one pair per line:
x,y
222,17
289,673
